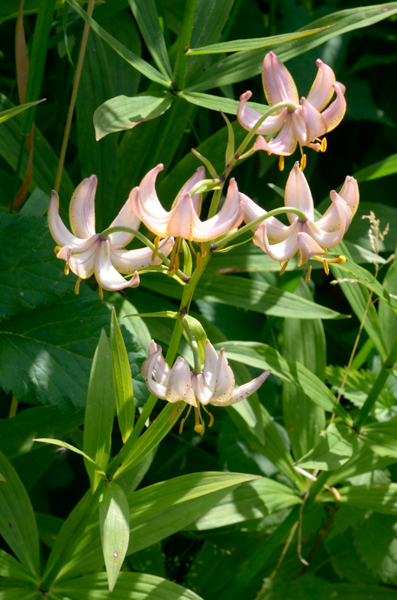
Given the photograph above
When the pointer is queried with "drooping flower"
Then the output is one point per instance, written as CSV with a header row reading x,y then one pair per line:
x,y
307,122
183,219
86,253
309,238
215,385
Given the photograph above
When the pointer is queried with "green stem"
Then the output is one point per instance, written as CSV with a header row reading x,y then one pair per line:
x,y
377,388
277,211
120,228
184,43
187,295
193,344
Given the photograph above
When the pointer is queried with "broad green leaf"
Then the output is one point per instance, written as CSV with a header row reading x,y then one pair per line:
x,y
336,446
101,158
248,294
72,448
377,546
264,357
310,587
157,512
378,497
304,342
246,64
122,380
2,478
37,59
383,168
226,105
362,461
132,478
30,274
16,435
251,44
381,437
121,112
45,159
17,522
135,61
47,353
130,586
145,13
253,500
11,592
114,521
10,567
36,205
99,411
11,112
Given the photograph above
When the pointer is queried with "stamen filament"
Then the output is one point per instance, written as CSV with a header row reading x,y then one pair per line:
x,y
66,269
211,416
283,267
199,426
281,163
308,273
100,291
77,286
156,247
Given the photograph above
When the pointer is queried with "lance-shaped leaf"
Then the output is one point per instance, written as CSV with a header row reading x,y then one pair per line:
x,y
17,522
145,13
10,567
11,112
122,380
135,61
99,411
362,461
381,437
122,112
61,444
131,586
114,521
334,448
226,105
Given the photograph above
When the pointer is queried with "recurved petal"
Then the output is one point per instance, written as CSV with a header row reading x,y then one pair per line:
x,y
125,218
342,219
106,274
350,194
179,385
335,112
248,117
148,196
210,365
307,248
82,208
276,231
315,124
201,390
298,194
322,91
128,261
196,178
224,383
283,250
284,144
277,81
181,219
299,125
83,263
247,389
148,367
230,216
58,229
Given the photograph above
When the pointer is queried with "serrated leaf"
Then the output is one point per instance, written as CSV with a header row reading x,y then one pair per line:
x,y
381,437
30,274
378,497
99,411
17,522
334,448
122,380
362,461
114,520
62,444
122,112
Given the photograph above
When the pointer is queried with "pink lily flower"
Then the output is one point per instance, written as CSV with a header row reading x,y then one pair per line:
x,y
307,122
183,219
215,385
84,251
310,238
